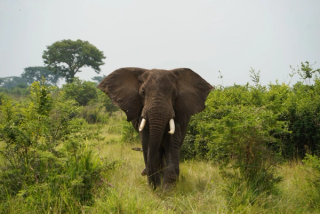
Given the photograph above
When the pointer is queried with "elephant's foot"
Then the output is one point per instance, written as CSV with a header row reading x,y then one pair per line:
x,y
167,187
144,172
154,180
170,180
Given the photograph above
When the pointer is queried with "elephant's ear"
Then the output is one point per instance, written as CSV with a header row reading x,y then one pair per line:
x,y
122,86
192,91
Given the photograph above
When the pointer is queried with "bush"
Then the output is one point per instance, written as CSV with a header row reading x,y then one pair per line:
x,y
129,134
3,97
313,170
107,103
239,129
301,111
94,114
249,129
295,108
46,163
16,91
81,91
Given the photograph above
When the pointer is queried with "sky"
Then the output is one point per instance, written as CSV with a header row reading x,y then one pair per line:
x,y
206,36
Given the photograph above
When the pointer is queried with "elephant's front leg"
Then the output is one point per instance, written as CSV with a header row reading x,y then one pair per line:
x,y
144,137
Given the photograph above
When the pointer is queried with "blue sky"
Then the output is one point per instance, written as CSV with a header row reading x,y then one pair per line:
x,y
206,36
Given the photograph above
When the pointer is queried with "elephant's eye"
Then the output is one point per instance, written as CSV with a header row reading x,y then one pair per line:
x,y
174,93
143,92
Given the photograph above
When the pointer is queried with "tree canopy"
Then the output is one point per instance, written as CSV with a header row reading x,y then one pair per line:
x,y
81,91
66,57
11,82
32,74
98,79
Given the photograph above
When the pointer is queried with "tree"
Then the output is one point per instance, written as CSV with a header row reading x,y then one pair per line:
x,y
305,71
98,79
32,74
81,91
66,57
11,82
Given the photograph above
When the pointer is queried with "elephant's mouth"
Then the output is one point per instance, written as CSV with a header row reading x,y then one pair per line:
x,y
171,125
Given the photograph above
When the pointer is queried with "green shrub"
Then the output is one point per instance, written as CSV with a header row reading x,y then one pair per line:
x,y
81,91
188,150
16,91
94,114
239,130
46,162
301,111
297,108
129,134
313,170
107,103
3,97
249,129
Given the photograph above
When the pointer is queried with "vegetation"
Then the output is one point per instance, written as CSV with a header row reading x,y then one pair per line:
x,y
81,91
255,149
12,82
32,74
98,79
67,57
46,162
18,87
285,120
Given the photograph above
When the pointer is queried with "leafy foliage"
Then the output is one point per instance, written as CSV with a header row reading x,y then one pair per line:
x,y
129,134
302,115
313,171
67,57
94,113
239,133
98,79
81,91
32,74
11,82
3,97
249,129
305,71
289,119
45,158
107,103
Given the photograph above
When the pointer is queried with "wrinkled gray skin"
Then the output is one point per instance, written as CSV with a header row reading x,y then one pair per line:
x,y
158,96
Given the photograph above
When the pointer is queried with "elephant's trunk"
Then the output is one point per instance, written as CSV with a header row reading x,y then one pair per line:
x,y
158,121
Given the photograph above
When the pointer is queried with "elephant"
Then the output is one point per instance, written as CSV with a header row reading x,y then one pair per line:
x,y
159,104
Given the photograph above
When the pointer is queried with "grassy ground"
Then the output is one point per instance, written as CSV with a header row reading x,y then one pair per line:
x,y
200,188
128,192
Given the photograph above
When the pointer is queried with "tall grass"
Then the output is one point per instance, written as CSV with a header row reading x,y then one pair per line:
x,y
201,188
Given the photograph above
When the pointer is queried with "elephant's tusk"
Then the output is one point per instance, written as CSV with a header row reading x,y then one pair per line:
x,y
172,127
142,124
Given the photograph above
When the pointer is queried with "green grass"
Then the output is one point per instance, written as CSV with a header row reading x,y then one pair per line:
x,y
200,189
128,192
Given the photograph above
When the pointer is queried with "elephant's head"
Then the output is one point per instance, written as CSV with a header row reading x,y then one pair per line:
x,y
156,97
